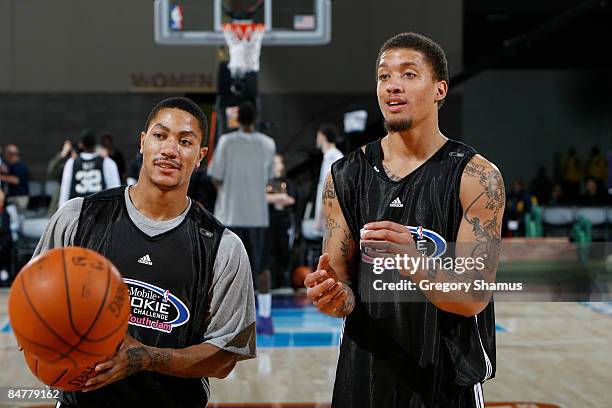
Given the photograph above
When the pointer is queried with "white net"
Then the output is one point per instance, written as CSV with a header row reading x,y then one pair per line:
x,y
244,50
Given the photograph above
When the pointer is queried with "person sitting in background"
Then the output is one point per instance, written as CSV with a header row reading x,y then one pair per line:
x,y
6,243
541,186
596,166
594,193
89,173
281,198
55,168
518,202
571,171
556,196
16,175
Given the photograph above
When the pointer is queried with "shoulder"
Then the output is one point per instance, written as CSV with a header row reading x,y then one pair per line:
x,y
71,209
267,140
231,251
478,174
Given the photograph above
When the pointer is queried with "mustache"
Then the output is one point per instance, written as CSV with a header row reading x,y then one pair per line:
x,y
167,160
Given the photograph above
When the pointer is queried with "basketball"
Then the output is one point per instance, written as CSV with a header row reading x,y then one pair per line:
x,y
68,379
69,307
299,275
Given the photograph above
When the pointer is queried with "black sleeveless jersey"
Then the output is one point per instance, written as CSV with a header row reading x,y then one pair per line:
x,y
169,277
407,354
87,177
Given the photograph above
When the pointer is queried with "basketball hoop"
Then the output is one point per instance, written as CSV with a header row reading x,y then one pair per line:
x,y
243,39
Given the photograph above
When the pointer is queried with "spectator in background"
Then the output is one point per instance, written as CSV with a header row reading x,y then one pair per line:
x,y
55,169
595,194
541,186
571,170
596,166
15,175
115,154
281,197
6,243
556,196
518,202
88,173
241,169
326,142
134,169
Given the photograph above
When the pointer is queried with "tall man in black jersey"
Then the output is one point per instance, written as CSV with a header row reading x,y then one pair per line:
x,y
412,185
191,291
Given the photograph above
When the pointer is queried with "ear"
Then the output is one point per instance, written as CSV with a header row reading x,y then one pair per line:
x,y
441,90
202,154
142,138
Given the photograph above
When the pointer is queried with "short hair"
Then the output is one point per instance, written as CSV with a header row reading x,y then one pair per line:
x,y
88,139
247,113
186,105
433,53
329,131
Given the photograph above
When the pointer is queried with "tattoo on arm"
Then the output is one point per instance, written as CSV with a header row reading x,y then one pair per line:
x,y
161,360
137,359
487,233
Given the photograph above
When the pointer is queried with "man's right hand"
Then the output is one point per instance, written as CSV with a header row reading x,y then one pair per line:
x,y
327,292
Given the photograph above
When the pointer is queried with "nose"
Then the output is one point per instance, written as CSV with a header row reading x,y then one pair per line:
x,y
394,85
169,148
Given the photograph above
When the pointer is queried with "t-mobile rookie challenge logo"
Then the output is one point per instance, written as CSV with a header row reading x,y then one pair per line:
x,y
428,242
155,308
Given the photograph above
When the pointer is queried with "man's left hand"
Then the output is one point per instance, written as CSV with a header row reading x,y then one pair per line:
x,y
131,358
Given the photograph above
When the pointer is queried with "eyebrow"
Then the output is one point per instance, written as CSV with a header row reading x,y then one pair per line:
x,y
182,132
402,64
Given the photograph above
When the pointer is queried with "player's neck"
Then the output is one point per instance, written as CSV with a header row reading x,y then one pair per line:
x,y
418,143
157,204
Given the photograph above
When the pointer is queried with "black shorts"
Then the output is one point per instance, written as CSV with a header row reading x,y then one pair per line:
x,y
255,241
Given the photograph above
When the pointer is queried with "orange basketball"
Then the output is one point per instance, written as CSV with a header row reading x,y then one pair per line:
x,y
69,307
299,274
68,379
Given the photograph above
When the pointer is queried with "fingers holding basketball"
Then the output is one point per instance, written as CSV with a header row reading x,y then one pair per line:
x,y
131,358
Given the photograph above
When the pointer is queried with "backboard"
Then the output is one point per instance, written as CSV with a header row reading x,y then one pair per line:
x,y
200,22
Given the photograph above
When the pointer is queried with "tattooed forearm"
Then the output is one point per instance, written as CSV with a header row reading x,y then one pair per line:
x,y
347,247
348,305
390,174
138,359
330,226
161,360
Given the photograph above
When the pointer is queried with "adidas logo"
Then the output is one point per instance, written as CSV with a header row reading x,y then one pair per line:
x,y
145,260
396,203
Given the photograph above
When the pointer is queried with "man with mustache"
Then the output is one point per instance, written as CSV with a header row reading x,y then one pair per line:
x,y
175,256
436,348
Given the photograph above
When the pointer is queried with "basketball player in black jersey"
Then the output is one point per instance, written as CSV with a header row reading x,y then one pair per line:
x,y
191,292
437,352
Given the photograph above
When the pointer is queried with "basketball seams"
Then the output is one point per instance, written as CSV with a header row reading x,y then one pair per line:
x,y
44,322
37,344
98,313
58,378
67,287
